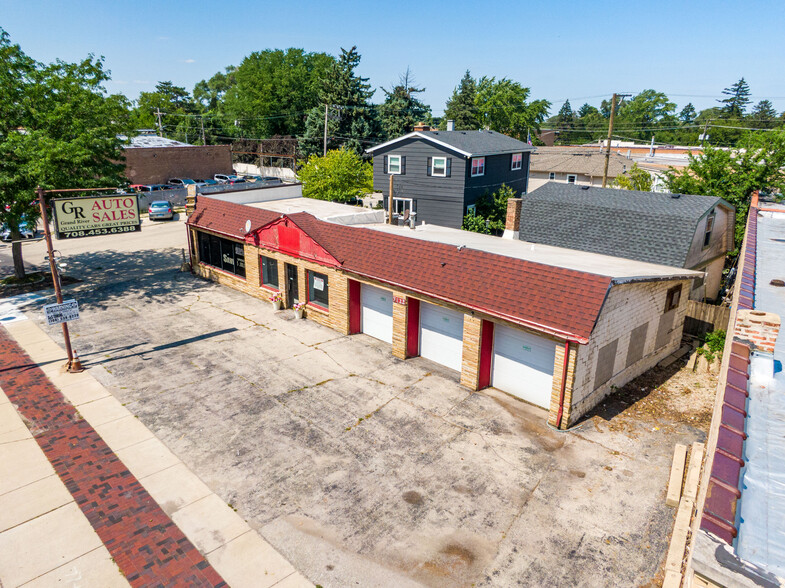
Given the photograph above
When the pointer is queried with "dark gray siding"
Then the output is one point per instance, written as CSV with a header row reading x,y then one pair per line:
x,y
497,172
437,200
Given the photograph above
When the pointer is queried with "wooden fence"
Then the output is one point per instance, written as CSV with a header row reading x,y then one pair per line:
x,y
703,318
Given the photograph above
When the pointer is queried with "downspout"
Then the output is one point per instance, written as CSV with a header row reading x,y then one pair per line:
x,y
563,384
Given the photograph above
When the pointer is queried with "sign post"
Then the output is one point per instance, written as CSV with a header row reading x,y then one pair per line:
x,y
73,365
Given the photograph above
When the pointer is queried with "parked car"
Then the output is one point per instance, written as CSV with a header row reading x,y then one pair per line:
x,y
207,182
149,187
25,229
228,179
160,209
181,182
266,180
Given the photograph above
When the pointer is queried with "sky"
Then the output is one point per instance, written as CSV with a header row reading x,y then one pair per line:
x,y
581,51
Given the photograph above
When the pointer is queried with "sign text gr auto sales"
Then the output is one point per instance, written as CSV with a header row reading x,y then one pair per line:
x,y
89,216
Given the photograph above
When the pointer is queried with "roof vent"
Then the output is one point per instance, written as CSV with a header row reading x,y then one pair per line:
x,y
675,196
585,187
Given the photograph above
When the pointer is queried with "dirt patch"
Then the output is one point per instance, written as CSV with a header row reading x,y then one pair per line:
x,y
661,398
452,559
413,497
36,281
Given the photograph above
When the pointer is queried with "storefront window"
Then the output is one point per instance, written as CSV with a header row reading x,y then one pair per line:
x,y
317,289
222,253
269,272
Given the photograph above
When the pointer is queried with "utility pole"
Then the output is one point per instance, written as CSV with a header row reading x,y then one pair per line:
x,y
160,126
705,130
326,108
390,203
201,118
608,146
610,133
73,364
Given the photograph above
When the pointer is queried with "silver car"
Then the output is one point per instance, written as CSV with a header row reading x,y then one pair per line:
x,y
160,209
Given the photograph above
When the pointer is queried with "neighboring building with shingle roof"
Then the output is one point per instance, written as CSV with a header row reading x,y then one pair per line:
x,y
557,328
688,231
574,165
439,175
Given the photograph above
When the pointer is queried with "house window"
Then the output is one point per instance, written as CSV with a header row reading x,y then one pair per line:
x,y
571,178
478,166
672,298
517,161
223,254
269,272
317,289
401,205
439,167
552,176
394,164
709,228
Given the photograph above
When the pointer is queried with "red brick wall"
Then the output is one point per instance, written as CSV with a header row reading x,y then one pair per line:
x,y
155,165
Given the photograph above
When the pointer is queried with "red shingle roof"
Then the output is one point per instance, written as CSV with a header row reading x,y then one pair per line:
x,y
551,299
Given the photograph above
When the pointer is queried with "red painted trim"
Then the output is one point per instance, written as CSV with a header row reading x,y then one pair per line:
x,y
563,384
275,236
355,307
486,354
413,328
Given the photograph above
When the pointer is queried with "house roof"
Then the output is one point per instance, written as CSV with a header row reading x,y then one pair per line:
x,y
578,160
467,143
142,141
554,300
647,226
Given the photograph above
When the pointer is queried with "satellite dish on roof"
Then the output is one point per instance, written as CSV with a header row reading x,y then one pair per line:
x,y
248,225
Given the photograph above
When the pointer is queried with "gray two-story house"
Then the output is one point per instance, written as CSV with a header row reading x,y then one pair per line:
x,y
439,175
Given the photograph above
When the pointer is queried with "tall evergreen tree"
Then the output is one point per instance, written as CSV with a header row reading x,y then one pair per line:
x,y
462,107
351,119
688,114
566,117
738,97
401,109
763,115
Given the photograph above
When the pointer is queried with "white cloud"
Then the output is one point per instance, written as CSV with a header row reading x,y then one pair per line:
x,y
189,61
141,82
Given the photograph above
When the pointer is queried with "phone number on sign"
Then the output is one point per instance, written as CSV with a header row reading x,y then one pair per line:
x,y
94,232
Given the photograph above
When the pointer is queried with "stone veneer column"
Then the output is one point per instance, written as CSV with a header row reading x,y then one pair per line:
x,y
400,320
558,366
339,302
470,364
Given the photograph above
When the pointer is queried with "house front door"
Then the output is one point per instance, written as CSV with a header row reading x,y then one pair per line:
x,y
292,286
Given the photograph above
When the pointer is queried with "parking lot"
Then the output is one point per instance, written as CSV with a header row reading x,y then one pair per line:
x,y
360,468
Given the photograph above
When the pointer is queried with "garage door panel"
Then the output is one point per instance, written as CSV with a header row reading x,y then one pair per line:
x,y
441,335
523,365
377,319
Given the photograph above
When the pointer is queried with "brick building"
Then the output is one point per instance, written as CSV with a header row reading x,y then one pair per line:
x,y
154,160
557,328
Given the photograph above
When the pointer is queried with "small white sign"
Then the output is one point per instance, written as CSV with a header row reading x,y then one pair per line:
x,y
318,284
61,313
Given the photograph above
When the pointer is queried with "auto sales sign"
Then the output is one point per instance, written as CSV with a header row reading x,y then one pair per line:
x,y
90,216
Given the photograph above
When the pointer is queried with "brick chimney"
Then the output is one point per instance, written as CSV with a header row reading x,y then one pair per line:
x,y
422,127
758,328
512,224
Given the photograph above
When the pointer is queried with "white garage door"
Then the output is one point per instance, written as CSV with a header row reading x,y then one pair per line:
x,y
441,335
377,312
523,365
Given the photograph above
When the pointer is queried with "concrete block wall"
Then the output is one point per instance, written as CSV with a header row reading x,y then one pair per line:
x,y
627,307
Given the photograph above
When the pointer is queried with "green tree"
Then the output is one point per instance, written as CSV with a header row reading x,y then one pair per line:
x,y
502,107
688,114
401,109
340,176
763,115
491,212
738,97
177,109
58,129
635,179
272,91
640,117
462,106
351,119
209,94
589,126
735,174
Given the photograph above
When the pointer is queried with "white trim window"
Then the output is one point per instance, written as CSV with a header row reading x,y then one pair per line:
x,y
401,205
552,176
439,167
571,178
478,166
394,164
517,161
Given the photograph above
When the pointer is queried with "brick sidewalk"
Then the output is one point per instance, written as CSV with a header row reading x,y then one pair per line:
x,y
146,545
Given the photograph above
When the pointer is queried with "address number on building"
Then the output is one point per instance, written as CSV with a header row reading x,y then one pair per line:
x,y
61,313
399,300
